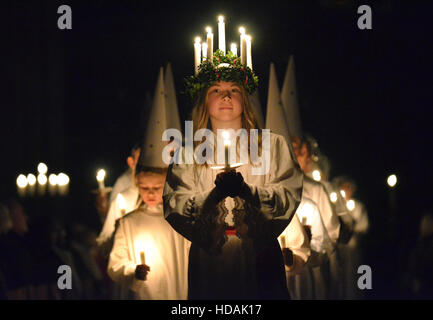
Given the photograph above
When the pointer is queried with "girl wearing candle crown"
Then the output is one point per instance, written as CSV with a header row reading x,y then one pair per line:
x,y
232,217
149,258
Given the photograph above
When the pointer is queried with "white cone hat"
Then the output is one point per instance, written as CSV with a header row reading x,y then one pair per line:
x,y
173,119
289,100
151,154
275,118
257,108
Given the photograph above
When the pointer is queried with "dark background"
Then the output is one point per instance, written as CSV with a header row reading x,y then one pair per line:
x,y
75,99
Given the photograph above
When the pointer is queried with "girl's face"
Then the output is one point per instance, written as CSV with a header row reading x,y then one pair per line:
x,y
224,102
151,186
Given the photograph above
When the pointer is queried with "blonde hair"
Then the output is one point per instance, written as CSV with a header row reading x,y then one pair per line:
x,y
201,119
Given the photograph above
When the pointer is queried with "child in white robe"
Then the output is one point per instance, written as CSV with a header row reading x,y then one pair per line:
x,y
242,260
144,234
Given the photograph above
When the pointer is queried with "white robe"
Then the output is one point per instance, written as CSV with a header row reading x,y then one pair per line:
x,y
310,282
166,253
132,201
124,182
242,266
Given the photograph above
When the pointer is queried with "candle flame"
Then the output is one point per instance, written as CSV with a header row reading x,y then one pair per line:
x,y
42,179
42,168
31,179
197,40
22,181
316,175
121,202
62,179
208,29
221,19
350,205
392,180
333,197
52,179
100,176
242,30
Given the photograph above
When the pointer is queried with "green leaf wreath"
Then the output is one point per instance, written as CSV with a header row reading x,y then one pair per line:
x,y
210,72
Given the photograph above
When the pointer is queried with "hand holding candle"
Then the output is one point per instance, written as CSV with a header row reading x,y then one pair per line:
x,y
142,269
100,177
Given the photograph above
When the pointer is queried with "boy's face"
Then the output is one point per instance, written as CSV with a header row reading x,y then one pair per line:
x,y
151,186
301,153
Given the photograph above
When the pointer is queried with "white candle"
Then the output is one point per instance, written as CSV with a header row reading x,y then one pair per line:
x,y
304,221
142,257
221,34
209,42
42,184
243,45
226,149
249,57
63,183
52,186
234,49
22,185
31,188
197,57
204,51
100,177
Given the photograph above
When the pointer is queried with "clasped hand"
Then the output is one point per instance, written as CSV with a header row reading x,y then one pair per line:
x,y
229,183
141,271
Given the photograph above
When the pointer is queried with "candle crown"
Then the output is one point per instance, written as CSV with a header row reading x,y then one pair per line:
x,y
221,66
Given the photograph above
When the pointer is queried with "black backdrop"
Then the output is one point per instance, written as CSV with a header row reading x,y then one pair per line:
x,y
75,99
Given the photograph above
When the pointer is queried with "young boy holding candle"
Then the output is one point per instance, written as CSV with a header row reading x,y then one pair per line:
x,y
149,257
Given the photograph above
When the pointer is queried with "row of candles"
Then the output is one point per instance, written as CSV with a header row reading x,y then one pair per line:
x,y
30,185
204,50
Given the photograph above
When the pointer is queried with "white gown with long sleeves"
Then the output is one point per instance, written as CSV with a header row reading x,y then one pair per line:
x,y
165,252
132,201
310,282
248,265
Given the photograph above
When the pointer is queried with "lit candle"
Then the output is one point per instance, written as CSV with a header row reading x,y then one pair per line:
x,y
142,257
204,51
243,45
333,197
350,205
226,150
197,50
52,186
42,184
221,34
31,180
249,57
234,49
42,168
22,185
121,203
100,177
304,221
209,42
316,175
63,183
